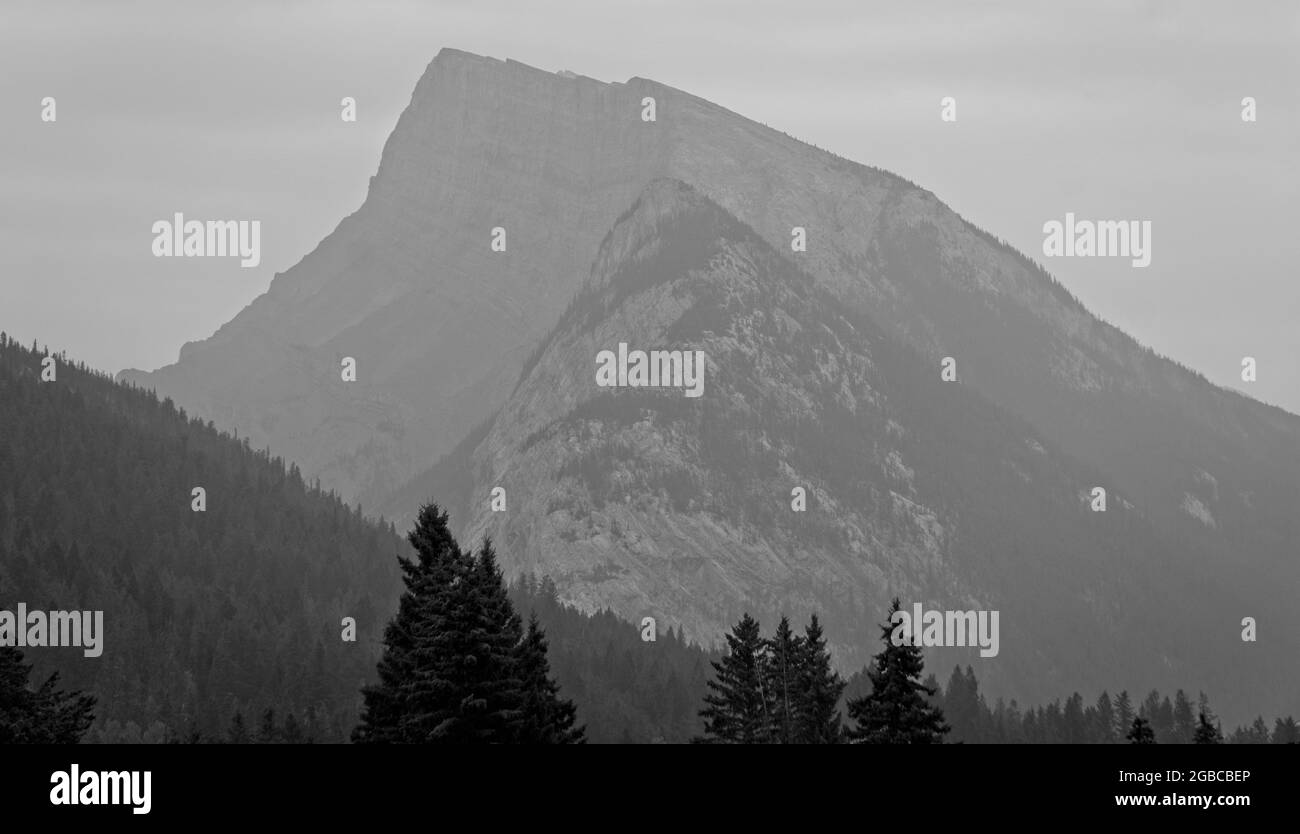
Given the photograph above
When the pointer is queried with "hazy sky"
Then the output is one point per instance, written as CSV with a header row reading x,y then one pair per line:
x,y
231,110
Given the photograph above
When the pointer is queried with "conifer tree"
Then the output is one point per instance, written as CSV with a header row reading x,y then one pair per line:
x,y
1184,721
492,673
547,718
1073,721
1286,731
44,715
785,656
238,733
737,709
457,666
1103,729
1141,732
419,696
267,733
1207,732
1162,721
963,708
820,688
897,710
1123,713
293,733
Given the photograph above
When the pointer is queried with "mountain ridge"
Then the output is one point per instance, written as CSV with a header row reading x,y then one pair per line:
x,y
703,538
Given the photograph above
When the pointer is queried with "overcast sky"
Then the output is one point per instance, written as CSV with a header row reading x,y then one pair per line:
x,y
231,110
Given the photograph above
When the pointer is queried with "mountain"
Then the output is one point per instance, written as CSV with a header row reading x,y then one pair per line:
x,y
659,504
441,327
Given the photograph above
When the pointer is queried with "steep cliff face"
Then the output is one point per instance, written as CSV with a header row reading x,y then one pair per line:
x,y
409,286
682,508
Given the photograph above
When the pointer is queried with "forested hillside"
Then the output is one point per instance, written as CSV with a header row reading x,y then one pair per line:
x,y
205,613
238,609
627,690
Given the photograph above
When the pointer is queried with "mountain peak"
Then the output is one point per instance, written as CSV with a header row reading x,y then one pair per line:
x,y
441,324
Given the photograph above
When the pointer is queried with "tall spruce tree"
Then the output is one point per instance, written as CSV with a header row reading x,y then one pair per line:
x,y
737,709
784,660
897,710
1184,723
417,692
238,732
44,715
1207,731
1073,720
1123,714
493,708
447,674
1103,725
293,733
457,667
268,733
963,708
820,688
547,718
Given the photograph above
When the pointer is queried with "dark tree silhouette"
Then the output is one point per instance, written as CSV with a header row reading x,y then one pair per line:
x,y
44,715
782,672
238,732
1206,731
738,709
1141,732
456,666
897,710
820,689
547,718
